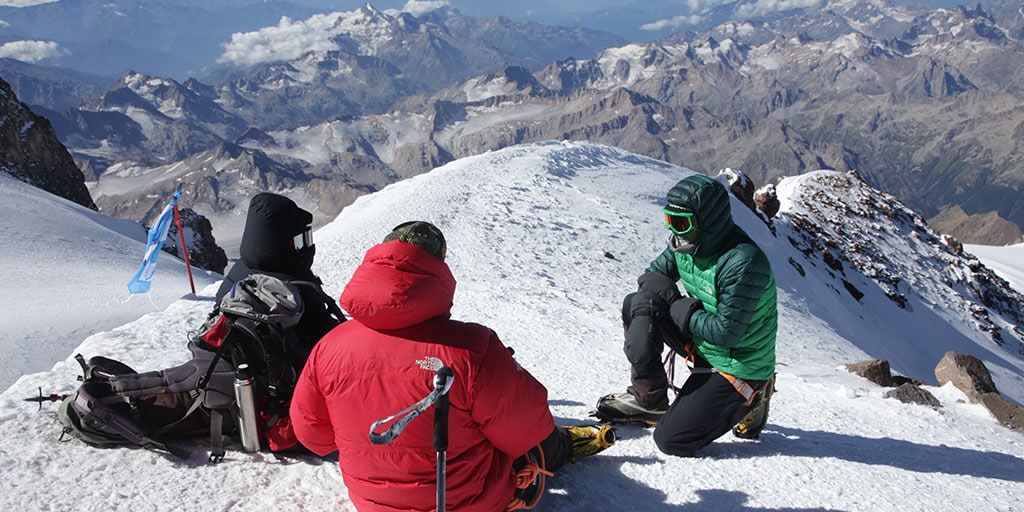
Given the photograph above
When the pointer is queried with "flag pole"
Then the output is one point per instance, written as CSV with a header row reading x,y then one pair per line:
x,y
181,236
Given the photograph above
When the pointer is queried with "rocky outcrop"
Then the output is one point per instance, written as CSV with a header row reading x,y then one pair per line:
x,y
907,390
30,152
875,370
964,372
913,394
836,219
969,374
741,186
767,200
203,251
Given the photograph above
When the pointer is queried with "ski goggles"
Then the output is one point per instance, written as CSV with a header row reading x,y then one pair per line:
x,y
678,221
303,240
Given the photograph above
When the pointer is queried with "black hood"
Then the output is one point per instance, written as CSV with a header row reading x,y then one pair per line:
x,y
273,220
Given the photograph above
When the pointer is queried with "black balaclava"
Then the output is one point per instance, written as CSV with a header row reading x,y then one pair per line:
x,y
271,224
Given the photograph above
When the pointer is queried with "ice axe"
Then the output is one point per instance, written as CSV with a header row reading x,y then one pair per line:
x,y
52,397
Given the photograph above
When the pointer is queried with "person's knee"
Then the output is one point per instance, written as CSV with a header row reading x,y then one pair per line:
x,y
675,443
645,304
627,303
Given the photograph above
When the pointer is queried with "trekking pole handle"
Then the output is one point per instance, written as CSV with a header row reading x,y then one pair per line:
x,y
442,383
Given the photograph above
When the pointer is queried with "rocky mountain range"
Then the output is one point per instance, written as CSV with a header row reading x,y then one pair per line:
x,y
31,153
932,114
981,228
925,104
56,89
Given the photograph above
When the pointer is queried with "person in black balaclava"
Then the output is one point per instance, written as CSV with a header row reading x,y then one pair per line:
x,y
278,240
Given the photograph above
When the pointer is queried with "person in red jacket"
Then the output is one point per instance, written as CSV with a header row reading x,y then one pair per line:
x,y
384,359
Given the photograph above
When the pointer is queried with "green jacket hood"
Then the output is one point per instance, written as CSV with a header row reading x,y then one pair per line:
x,y
709,201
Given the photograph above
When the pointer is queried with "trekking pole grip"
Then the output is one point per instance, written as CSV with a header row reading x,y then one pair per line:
x,y
442,383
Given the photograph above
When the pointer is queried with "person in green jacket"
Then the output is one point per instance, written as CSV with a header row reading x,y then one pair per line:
x,y
724,324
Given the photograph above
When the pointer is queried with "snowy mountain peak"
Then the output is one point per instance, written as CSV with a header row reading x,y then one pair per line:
x,y
369,11
529,231
166,95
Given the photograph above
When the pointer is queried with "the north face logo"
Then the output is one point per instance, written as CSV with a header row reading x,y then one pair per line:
x,y
430,363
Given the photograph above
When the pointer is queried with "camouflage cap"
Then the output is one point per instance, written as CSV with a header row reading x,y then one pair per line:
x,y
423,234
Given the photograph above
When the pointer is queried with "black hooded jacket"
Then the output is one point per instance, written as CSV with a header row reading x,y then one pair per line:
x,y
266,247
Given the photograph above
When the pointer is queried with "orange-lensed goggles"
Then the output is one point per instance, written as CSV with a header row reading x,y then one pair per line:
x,y
678,221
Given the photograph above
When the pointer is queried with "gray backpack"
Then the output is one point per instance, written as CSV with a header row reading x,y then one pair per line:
x,y
253,324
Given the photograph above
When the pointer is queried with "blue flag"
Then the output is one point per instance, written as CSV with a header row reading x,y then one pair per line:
x,y
157,236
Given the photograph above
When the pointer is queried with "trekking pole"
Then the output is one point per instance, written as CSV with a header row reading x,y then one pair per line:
x,y
408,414
442,383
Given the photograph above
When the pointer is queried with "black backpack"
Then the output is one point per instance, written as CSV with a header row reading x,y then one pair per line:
x,y
255,324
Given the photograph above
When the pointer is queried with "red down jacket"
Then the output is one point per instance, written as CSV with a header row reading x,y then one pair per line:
x,y
384,360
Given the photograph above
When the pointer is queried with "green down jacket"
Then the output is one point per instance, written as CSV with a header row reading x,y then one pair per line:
x,y
733,279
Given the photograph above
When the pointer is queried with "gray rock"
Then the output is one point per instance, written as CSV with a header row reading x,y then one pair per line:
x,y
203,251
911,394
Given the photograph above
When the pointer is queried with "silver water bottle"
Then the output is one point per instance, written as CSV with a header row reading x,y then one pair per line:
x,y
246,409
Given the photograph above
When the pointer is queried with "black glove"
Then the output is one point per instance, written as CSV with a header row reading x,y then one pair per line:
x,y
658,283
681,311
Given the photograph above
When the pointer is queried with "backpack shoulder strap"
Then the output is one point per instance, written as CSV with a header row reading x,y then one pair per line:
x,y
89,408
332,305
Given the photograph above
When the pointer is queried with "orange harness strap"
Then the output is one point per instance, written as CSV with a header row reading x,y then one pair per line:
x,y
745,390
742,387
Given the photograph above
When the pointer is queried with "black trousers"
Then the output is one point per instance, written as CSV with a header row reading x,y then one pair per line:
x,y
706,407
556,448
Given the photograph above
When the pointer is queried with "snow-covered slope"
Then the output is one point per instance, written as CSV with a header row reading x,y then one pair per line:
x,y
65,277
1005,261
528,228
891,286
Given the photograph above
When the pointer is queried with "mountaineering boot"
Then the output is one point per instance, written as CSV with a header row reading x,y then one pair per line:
x,y
751,425
590,439
624,408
